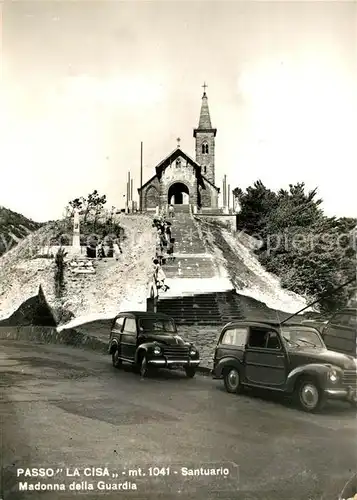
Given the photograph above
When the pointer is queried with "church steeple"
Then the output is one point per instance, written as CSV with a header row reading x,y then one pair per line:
x,y
205,119
205,140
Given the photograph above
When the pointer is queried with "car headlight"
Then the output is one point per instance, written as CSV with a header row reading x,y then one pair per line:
x,y
157,350
333,376
193,351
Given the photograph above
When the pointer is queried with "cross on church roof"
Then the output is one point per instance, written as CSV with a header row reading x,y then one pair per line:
x,y
204,87
178,142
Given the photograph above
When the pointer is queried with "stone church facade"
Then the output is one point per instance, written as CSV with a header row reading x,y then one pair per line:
x,y
181,180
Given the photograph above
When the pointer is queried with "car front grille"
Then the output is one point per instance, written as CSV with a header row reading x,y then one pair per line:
x,y
349,378
175,352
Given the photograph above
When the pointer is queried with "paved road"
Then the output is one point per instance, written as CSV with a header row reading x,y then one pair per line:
x,y
63,407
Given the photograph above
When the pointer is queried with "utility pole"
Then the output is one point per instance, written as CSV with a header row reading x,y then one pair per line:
x,y
225,191
141,176
128,193
131,195
229,196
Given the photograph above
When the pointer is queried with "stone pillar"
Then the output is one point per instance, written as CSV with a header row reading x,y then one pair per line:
x,y
76,242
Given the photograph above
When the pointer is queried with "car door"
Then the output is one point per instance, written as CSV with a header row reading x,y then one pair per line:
x,y
116,330
265,358
232,343
340,333
128,339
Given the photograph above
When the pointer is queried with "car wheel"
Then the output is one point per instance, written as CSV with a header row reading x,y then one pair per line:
x,y
232,380
117,362
144,367
190,371
309,396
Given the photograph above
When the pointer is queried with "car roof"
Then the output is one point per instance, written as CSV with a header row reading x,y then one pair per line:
x,y
257,322
144,315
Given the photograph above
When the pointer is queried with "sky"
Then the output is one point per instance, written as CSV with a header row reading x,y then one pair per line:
x,y
83,83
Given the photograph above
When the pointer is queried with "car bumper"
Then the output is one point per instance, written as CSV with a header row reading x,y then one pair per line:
x,y
348,393
174,362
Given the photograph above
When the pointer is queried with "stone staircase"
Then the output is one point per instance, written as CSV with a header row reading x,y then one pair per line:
x,y
192,261
194,277
200,291
216,308
200,309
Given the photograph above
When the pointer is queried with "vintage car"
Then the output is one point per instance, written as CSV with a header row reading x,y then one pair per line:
x,y
290,358
340,332
148,340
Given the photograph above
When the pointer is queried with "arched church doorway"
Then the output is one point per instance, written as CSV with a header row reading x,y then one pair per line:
x,y
178,194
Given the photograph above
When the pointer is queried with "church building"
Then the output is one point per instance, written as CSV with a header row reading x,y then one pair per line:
x,y
182,180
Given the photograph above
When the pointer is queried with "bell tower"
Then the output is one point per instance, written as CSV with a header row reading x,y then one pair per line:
x,y
205,140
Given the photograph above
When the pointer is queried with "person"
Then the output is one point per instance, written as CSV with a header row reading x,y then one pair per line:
x,y
116,250
100,250
170,250
159,276
168,232
171,211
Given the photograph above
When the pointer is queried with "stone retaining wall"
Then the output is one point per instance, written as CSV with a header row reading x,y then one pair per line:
x,y
47,335
204,338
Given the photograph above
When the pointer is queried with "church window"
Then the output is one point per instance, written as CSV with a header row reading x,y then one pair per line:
x,y
178,162
205,169
205,148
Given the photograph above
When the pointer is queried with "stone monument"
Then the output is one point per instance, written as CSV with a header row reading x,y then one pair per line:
x,y
76,242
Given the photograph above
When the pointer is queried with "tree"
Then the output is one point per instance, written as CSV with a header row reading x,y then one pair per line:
x,y
59,273
75,204
312,253
255,203
95,205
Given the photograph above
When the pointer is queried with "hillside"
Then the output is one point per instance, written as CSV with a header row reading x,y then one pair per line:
x,y
115,284
124,284
13,228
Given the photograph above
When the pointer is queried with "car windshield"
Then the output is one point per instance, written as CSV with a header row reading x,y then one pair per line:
x,y
157,325
299,336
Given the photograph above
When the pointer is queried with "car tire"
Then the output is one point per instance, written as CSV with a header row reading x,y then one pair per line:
x,y
117,363
143,367
232,380
190,371
309,395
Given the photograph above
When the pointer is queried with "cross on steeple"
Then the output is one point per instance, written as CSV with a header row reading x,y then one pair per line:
x,y
178,142
204,88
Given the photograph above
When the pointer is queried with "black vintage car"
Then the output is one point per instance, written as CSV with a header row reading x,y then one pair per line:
x,y
290,358
147,340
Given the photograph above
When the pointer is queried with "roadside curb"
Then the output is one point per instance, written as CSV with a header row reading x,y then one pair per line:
x,y
70,337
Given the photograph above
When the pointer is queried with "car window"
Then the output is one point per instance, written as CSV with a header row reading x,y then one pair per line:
x,y
259,337
235,336
273,341
344,319
130,325
157,325
119,322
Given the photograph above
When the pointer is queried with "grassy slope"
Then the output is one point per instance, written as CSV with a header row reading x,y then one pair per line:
x,y
235,253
